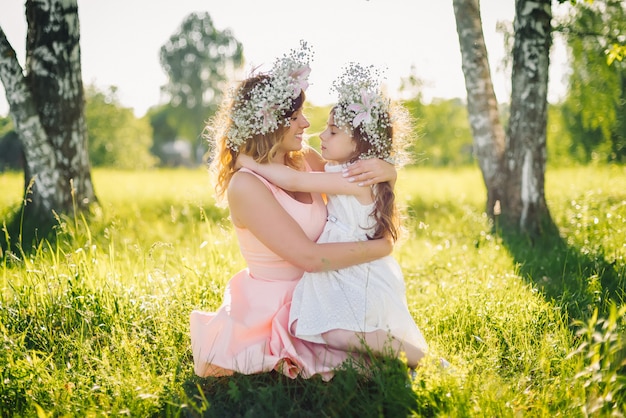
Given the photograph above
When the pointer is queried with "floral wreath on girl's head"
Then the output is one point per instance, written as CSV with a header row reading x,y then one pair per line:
x,y
361,105
270,101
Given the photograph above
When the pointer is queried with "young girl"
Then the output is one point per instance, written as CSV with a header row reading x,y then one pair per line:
x,y
362,307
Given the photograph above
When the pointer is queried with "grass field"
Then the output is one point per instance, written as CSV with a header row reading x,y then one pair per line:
x,y
95,323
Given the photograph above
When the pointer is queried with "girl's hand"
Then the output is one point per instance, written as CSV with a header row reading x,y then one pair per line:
x,y
371,171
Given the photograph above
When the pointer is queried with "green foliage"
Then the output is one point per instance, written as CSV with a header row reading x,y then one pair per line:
x,y
6,125
603,349
560,147
11,155
96,323
595,107
615,52
569,142
164,126
197,59
116,137
317,116
442,136
12,186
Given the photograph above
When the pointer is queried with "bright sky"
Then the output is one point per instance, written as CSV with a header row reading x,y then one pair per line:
x,y
120,41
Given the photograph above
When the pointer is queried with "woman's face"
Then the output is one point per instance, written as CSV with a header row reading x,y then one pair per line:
x,y
292,140
337,144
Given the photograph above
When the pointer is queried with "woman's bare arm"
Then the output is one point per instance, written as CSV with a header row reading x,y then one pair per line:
x,y
294,180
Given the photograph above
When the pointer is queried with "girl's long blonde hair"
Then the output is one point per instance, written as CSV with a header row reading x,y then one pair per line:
x,y
398,132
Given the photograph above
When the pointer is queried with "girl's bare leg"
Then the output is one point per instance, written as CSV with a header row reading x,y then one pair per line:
x,y
379,342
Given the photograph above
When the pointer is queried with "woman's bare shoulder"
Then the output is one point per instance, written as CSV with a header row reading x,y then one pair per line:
x,y
246,186
242,179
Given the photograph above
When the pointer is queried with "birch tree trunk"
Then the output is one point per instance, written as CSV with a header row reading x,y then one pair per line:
x,y
513,165
46,102
482,105
525,158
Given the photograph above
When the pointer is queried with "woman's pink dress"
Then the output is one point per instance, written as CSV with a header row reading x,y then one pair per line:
x,y
249,332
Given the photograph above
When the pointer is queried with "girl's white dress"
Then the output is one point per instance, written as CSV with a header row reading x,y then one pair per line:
x,y
365,297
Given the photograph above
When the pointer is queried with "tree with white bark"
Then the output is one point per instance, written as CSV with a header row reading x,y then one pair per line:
x,y
46,102
513,163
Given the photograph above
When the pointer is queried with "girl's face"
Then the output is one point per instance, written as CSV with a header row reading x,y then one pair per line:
x,y
292,140
337,144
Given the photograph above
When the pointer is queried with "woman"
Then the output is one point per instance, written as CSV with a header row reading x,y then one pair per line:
x,y
276,230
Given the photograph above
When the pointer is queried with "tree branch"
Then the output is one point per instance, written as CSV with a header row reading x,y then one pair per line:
x,y
38,152
11,72
564,29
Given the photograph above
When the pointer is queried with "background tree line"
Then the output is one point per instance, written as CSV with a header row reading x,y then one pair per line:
x,y
119,139
588,126
53,112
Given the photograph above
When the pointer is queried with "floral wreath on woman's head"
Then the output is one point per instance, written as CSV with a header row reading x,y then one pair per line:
x,y
269,103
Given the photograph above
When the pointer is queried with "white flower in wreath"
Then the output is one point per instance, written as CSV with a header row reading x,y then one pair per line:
x,y
301,76
267,116
363,110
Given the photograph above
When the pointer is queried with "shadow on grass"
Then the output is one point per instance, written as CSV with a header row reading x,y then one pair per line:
x,y
385,392
21,236
578,280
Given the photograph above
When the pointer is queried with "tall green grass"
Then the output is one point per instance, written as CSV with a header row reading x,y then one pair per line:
x,y
96,323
